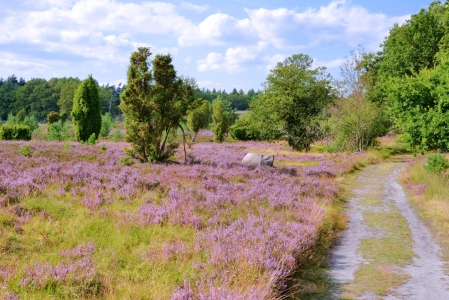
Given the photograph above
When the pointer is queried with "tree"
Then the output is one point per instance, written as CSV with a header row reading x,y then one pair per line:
x,y
198,117
409,48
420,106
220,120
155,103
86,112
66,96
37,97
355,121
294,96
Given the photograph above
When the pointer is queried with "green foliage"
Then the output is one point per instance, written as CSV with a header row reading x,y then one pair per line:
x,y
220,121
420,106
245,129
58,131
66,96
198,117
31,121
21,115
294,96
116,136
106,124
102,148
355,121
15,132
86,112
92,139
436,163
26,150
155,102
53,117
12,120
37,97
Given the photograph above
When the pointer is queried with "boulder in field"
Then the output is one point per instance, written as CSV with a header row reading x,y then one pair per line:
x,y
259,159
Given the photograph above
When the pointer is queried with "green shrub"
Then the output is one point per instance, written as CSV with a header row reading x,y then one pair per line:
x,y
103,148
58,131
31,121
91,140
436,163
25,150
15,132
106,124
53,117
117,135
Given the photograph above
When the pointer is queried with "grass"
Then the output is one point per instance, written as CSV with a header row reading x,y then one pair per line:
x,y
429,196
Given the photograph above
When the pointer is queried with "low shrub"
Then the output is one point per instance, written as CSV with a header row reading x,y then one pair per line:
x,y
15,132
436,163
26,150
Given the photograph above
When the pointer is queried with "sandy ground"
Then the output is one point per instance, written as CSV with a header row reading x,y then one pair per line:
x,y
427,279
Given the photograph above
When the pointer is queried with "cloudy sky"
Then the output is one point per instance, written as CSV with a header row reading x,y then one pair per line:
x,y
222,44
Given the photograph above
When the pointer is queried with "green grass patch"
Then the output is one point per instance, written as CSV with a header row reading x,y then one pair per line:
x,y
377,279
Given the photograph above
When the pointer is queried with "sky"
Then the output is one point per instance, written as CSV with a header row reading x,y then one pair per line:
x,y
221,44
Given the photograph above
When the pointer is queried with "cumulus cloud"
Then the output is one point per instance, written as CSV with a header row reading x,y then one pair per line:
x,y
234,60
288,29
103,29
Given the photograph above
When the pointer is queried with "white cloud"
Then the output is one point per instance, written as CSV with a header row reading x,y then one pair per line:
x,y
190,6
103,29
285,29
272,61
233,61
336,63
217,29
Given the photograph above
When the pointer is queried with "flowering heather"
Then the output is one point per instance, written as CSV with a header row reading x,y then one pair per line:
x,y
78,222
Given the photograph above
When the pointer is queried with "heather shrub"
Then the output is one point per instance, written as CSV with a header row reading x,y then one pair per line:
x,y
15,132
436,163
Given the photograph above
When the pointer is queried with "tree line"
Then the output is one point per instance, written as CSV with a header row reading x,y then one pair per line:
x,y
38,97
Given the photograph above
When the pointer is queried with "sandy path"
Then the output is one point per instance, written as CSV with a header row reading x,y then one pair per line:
x,y
427,279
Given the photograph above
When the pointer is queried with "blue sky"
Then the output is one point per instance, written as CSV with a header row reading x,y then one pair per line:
x,y
222,44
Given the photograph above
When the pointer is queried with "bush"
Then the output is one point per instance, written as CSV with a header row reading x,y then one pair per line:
x,y
106,124
15,132
25,150
53,117
117,136
58,131
436,163
31,121
91,139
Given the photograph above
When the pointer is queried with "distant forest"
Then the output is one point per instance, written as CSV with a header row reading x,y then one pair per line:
x,y
37,97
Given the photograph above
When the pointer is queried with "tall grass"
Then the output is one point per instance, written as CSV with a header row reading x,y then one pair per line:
x,y
430,195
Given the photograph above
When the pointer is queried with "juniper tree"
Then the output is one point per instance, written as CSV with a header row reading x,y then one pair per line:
x,y
155,103
86,112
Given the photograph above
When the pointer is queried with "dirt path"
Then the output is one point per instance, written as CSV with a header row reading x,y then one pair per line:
x,y
386,252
